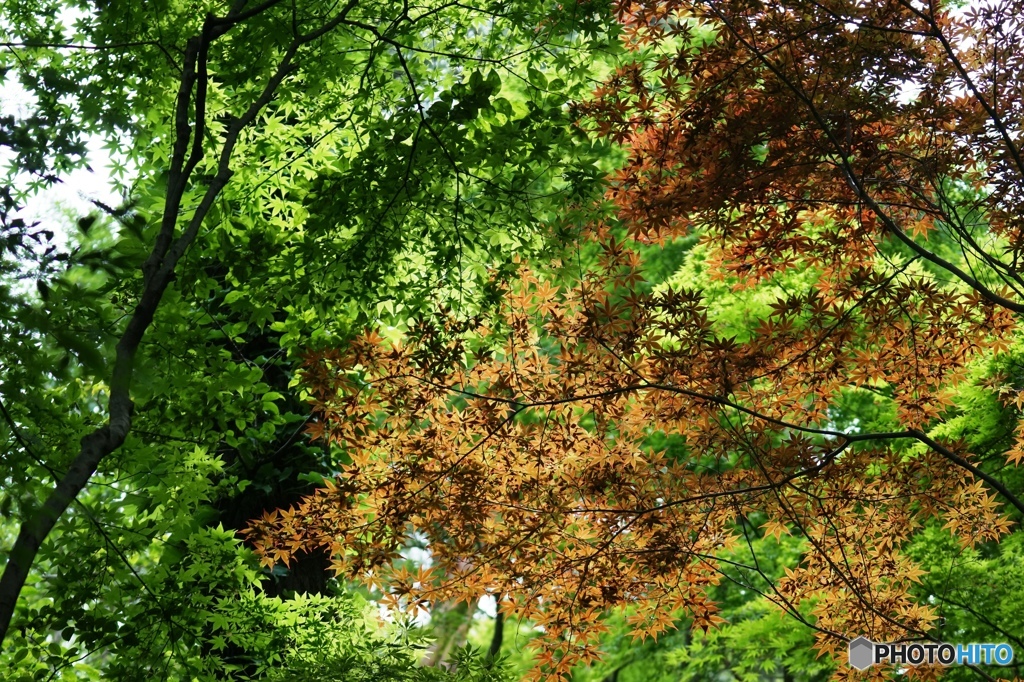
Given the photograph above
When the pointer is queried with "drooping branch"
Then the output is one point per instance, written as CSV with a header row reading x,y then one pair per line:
x,y
857,183
725,402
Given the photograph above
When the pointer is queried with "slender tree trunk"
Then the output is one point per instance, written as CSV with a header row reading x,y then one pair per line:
x,y
158,272
497,637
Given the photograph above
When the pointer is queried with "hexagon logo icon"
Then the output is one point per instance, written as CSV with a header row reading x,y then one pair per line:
x,y
861,653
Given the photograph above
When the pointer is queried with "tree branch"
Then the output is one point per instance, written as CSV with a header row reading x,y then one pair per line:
x,y
158,272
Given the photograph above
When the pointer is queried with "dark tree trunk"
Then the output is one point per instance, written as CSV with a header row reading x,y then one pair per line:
x,y
497,637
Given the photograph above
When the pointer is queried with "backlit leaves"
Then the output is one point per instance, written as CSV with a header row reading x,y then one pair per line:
x,y
855,240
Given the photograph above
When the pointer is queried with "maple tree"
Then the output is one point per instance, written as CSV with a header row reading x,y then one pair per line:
x,y
287,171
855,175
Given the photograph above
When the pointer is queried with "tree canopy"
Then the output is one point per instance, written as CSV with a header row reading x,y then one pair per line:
x,y
683,332
290,172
